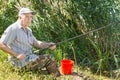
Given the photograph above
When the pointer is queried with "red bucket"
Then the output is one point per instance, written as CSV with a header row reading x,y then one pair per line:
x,y
66,66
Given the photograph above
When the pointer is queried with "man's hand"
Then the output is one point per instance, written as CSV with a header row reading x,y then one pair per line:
x,y
52,46
5,48
20,56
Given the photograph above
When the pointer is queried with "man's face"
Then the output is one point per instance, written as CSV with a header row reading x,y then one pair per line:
x,y
26,19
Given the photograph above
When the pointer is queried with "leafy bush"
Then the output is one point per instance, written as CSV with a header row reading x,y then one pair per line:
x,y
60,20
7,16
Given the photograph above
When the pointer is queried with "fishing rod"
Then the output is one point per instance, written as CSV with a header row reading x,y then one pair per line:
x,y
94,30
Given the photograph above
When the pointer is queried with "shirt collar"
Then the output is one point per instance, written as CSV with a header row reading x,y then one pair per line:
x,y
19,25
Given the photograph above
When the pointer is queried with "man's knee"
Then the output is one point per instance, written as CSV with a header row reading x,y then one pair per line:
x,y
49,56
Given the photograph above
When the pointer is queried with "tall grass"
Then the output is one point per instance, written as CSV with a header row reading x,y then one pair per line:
x,y
61,20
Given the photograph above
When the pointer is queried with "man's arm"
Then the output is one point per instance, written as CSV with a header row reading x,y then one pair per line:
x,y
5,48
40,44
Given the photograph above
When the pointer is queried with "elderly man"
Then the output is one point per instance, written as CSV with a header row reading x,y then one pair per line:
x,y
17,40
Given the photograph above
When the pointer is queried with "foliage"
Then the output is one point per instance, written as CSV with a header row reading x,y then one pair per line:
x,y
7,16
60,20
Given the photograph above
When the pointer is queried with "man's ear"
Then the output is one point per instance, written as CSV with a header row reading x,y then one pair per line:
x,y
19,17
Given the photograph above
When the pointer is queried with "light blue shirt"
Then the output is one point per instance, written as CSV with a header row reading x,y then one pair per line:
x,y
21,42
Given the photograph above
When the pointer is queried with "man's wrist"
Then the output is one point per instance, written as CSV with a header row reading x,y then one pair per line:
x,y
15,55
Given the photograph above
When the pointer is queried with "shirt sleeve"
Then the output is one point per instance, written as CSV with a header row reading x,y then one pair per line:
x,y
32,38
8,35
